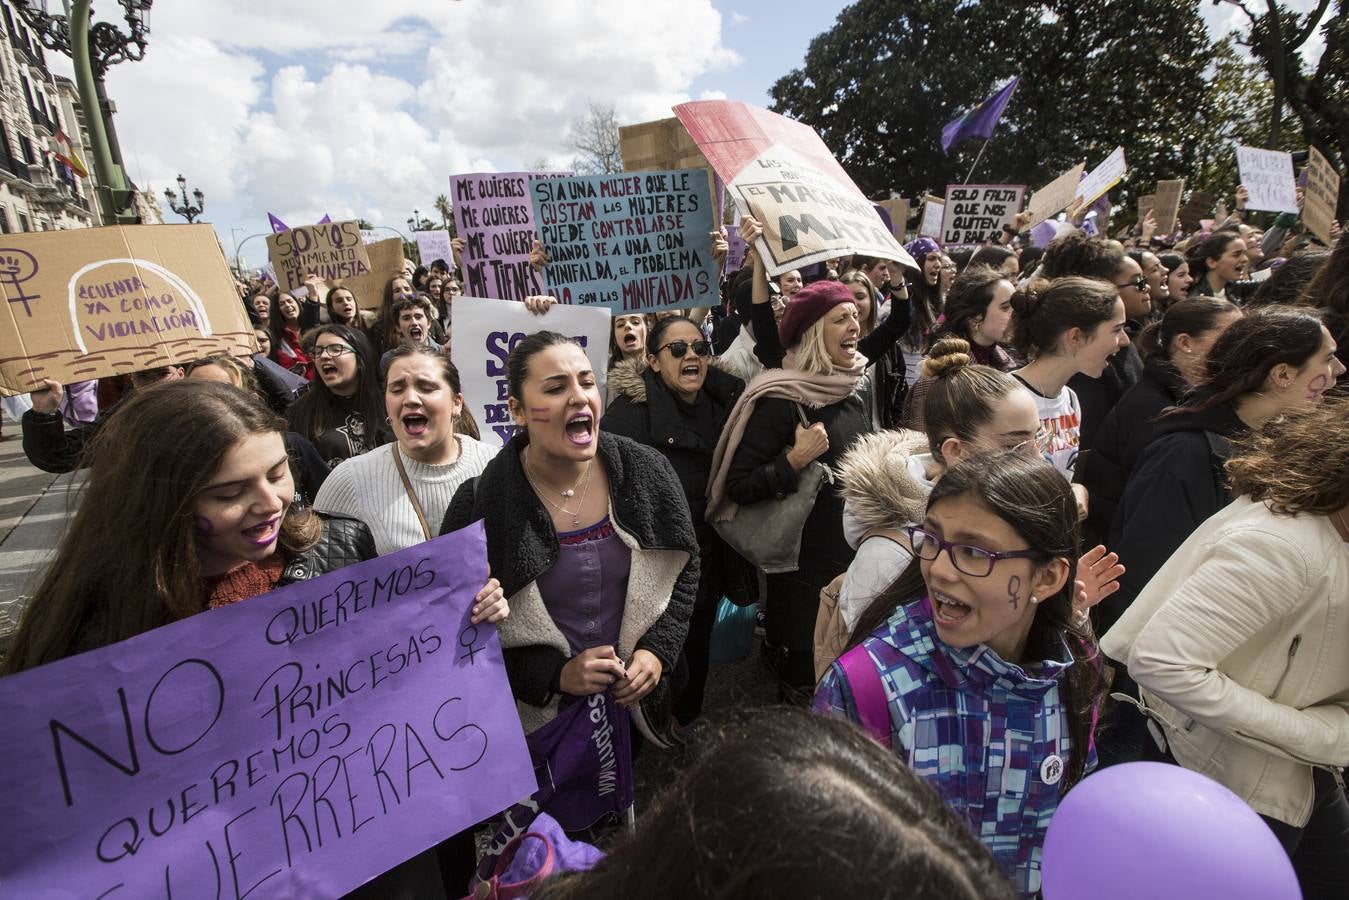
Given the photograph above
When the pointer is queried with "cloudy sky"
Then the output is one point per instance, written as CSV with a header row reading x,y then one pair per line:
x,y
306,107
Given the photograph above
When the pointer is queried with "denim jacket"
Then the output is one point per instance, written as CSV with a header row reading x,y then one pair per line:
x,y
989,736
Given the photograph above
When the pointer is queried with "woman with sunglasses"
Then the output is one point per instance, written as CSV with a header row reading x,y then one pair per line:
x,y
973,668
679,405
342,413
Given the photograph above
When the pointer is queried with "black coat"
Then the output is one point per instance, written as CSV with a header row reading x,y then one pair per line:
x,y
522,544
1179,482
759,471
1122,437
649,413
1099,395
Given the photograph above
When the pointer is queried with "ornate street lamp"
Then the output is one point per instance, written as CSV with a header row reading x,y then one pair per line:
x,y
178,202
92,47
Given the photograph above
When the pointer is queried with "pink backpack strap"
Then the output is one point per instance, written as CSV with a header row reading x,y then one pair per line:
x,y
873,710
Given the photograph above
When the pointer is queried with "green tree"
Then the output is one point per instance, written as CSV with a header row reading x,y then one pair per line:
x,y
880,84
442,205
1318,99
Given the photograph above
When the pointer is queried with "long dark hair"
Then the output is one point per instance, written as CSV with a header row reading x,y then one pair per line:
x,y
1044,311
783,803
1214,245
1194,316
1242,357
128,562
321,410
925,301
1033,498
968,299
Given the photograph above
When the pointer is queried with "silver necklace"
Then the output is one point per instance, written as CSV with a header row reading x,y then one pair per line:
x,y
585,488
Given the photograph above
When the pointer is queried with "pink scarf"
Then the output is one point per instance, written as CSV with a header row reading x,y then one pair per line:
x,y
806,388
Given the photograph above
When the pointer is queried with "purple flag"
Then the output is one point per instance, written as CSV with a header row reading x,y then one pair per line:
x,y
277,225
583,763
980,121
325,220
295,744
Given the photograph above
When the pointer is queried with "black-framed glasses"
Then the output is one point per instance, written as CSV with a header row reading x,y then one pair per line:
x,y
971,560
333,350
679,348
1139,284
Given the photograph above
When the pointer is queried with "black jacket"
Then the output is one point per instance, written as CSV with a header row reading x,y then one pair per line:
x,y
1099,395
1122,437
53,448
759,470
1179,482
648,412
647,503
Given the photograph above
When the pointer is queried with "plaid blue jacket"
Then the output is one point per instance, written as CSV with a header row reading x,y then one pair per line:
x,y
991,737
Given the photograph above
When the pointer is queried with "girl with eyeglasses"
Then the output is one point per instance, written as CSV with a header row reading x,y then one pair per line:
x,y
972,667
679,406
887,476
342,413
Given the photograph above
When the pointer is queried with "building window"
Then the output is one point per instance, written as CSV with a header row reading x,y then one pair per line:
x,y
23,222
4,220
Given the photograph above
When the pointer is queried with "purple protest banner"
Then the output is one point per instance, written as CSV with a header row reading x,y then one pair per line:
x,y
316,736
493,215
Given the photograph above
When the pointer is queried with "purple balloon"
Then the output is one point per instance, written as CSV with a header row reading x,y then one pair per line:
x,y
1151,831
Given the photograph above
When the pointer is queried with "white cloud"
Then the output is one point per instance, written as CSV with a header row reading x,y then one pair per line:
x,y
370,107
738,18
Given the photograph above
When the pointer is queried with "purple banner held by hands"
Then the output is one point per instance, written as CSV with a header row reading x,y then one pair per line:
x,y
493,215
296,744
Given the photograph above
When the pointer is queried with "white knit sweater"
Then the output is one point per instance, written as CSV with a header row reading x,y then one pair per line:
x,y
367,487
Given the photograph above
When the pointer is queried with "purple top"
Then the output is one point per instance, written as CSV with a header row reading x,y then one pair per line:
x,y
587,588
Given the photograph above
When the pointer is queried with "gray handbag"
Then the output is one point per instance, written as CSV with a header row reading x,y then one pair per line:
x,y
768,533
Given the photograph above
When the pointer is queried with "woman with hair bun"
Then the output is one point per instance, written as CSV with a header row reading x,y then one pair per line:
x,y
1065,327
1240,647
978,313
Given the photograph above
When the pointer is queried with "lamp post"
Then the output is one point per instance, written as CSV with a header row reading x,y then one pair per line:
x,y
183,208
92,47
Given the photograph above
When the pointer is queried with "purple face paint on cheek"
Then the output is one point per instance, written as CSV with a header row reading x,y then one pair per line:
x,y
202,527
1014,591
1318,386
540,415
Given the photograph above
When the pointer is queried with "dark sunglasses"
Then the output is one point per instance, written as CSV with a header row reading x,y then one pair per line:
x,y
1140,283
679,348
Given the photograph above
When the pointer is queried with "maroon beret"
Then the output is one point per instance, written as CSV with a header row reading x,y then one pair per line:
x,y
809,306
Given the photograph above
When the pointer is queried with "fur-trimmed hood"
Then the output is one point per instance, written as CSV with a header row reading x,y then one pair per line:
x,y
879,480
627,378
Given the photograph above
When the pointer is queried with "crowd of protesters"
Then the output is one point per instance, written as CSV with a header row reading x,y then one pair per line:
x,y
1069,507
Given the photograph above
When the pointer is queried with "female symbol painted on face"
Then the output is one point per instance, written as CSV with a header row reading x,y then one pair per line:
x,y
1014,591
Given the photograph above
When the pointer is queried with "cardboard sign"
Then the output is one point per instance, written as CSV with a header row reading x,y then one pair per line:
x,y
735,246
485,332
1055,197
634,243
934,208
1147,205
1198,206
1268,177
433,245
662,144
1322,195
386,261
1109,173
975,213
331,251
897,216
296,744
496,220
1167,207
90,302
781,172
